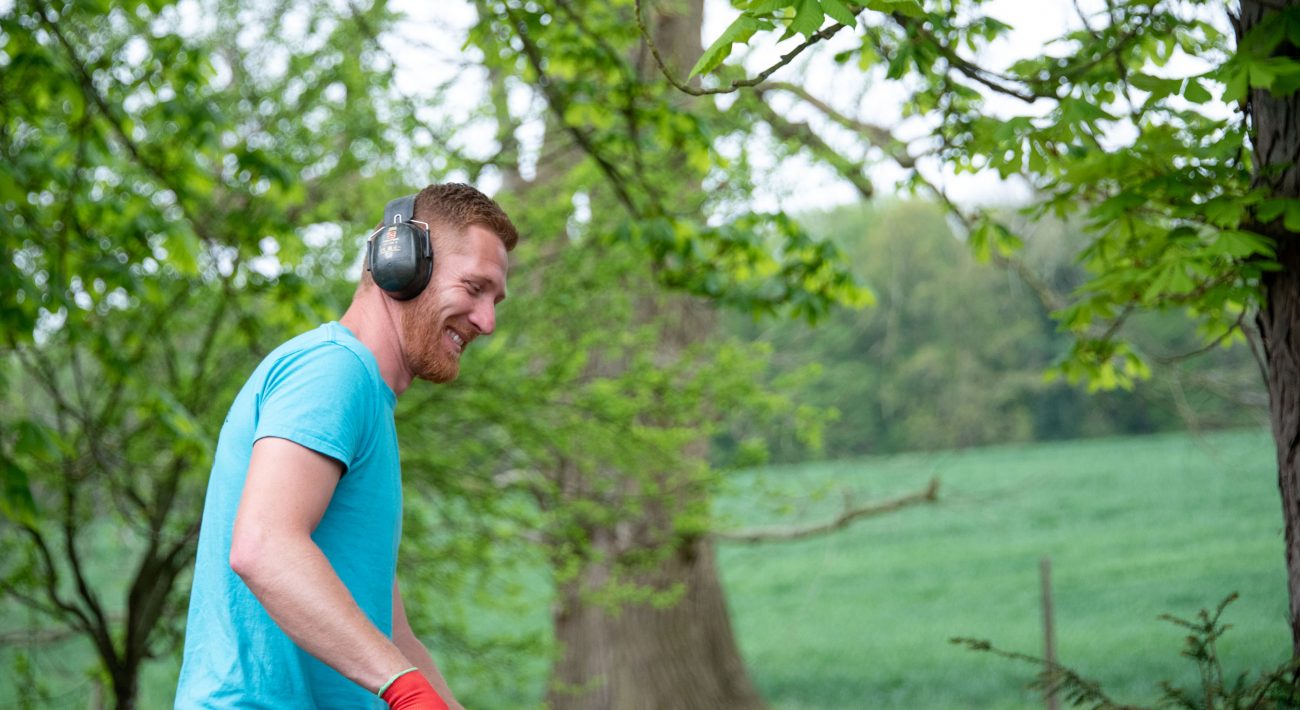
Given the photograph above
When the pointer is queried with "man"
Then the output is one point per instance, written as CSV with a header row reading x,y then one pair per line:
x,y
295,602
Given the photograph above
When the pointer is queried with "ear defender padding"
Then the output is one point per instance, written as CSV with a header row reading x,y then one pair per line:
x,y
400,254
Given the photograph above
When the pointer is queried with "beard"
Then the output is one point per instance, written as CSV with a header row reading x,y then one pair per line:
x,y
426,353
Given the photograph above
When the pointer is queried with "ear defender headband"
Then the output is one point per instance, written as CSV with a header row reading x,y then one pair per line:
x,y
399,252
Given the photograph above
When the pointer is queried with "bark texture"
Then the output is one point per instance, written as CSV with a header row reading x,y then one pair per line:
x,y
1275,134
641,657
1279,325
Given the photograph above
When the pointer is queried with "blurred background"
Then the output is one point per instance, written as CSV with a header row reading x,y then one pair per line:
x,y
831,327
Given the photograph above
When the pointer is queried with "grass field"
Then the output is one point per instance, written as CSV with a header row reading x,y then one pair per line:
x,y
861,618
1134,528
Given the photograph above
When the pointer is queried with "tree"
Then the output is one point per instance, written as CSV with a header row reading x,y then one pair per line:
x,y
153,183
618,198
1195,208
193,158
953,353
640,616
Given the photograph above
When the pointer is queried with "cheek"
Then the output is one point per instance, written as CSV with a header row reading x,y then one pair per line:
x,y
421,322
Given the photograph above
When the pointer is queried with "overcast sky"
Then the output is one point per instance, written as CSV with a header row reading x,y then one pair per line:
x,y
797,183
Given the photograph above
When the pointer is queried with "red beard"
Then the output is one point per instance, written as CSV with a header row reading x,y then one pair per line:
x,y
427,352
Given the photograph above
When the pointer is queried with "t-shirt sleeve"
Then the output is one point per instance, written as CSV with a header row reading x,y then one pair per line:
x,y
319,398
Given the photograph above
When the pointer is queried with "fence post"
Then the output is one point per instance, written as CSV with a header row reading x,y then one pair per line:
x,y
1049,634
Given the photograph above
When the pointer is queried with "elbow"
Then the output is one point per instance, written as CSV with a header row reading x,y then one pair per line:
x,y
241,559
246,553
260,553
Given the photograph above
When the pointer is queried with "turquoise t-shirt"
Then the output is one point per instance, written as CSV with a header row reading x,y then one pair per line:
x,y
322,390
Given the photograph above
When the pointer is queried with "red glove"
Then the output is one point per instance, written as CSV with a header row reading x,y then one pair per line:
x,y
413,692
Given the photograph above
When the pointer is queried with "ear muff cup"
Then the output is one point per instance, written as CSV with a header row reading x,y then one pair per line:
x,y
400,255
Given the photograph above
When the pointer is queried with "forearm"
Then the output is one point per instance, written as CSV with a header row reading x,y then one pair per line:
x,y
300,590
415,651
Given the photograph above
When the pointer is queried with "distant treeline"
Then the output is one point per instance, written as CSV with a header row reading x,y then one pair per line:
x,y
954,352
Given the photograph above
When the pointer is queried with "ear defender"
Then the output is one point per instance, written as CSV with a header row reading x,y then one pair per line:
x,y
400,255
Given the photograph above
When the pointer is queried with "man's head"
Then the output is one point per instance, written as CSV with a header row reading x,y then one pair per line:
x,y
470,235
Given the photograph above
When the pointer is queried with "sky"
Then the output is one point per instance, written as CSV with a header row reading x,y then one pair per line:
x,y
799,183
1035,21
435,33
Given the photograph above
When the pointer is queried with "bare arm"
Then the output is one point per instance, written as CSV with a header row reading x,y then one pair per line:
x,y
414,650
286,493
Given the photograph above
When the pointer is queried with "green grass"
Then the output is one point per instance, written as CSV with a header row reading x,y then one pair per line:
x,y
861,618
1134,528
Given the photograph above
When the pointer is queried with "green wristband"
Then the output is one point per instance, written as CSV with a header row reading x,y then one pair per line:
x,y
392,680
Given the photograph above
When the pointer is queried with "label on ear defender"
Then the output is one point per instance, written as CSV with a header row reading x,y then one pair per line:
x,y
389,246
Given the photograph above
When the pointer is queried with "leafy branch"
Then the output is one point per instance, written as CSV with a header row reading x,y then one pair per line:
x,y
1274,688
738,32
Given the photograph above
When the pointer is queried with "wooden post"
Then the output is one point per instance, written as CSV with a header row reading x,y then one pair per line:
x,y
1049,635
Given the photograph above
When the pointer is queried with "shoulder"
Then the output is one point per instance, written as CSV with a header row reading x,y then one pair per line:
x,y
321,394
322,357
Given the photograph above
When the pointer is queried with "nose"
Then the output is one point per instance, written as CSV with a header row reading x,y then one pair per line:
x,y
484,317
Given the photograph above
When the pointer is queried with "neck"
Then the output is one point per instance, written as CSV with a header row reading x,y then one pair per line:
x,y
372,319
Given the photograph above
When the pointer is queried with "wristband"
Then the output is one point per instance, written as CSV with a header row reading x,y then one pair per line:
x,y
399,674
412,691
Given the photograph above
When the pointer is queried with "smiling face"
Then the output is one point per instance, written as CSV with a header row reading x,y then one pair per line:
x,y
469,280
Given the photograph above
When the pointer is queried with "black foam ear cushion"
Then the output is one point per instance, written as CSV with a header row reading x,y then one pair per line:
x,y
401,260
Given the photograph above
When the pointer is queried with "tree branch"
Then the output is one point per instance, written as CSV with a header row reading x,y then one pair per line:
x,y
991,80
1174,359
1047,296
929,494
557,104
878,136
90,92
803,134
97,628
814,38
75,617
38,636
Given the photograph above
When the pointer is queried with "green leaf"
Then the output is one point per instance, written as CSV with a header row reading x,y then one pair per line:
x,y
16,501
1287,83
839,12
183,252
1196,92
1271,209
1240,245
807,19
1235,77
1224,212
35,442
1156,86
1262,74
1292,219
907,8
981,241
740,30
1005,242
766,7
1159,284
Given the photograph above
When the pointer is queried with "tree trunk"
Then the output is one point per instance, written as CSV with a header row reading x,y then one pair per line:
x,y
1279,323
639,657
124,689
1275,135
